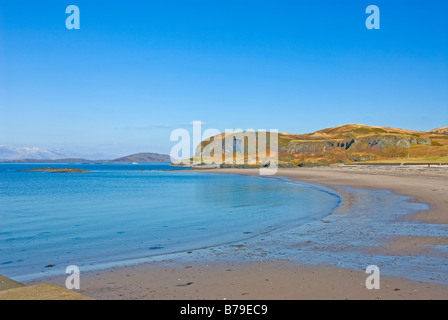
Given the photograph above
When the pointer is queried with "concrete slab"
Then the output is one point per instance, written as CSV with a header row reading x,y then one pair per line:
x,y
44,291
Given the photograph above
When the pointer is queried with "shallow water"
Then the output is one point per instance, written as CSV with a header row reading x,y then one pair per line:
x,y
120,213
355,236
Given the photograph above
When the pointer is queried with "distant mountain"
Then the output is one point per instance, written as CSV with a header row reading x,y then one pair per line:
x,y
63,160
138,157
144,158
13,153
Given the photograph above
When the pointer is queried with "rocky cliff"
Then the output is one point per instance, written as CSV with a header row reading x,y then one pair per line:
x,y
369,143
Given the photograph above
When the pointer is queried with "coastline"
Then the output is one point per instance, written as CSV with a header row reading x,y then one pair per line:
x,y
424,186
280,279
419,183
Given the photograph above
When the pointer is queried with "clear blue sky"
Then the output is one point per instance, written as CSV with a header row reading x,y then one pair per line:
x,y
136,70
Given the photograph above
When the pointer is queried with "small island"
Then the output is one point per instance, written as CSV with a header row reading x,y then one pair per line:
x,y
58,170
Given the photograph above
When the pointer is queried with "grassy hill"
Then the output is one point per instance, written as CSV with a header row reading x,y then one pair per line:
x,y
355,143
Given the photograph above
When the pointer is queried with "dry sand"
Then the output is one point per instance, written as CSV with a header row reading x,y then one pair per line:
x,y
170,279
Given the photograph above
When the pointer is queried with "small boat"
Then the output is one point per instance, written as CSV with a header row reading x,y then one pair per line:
x,y
134,162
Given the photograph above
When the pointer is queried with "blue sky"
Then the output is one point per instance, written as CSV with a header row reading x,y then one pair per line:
x,y
136,70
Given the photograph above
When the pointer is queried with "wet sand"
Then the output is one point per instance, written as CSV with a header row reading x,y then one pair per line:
x,y
279,279
425,185
274,280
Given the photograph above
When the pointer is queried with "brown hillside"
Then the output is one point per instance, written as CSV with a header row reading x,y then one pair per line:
x,y
442,131
358,143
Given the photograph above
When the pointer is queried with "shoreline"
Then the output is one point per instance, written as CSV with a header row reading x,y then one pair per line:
x,y
198,279
400,183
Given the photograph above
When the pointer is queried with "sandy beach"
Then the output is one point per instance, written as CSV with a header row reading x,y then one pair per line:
x,y
280,279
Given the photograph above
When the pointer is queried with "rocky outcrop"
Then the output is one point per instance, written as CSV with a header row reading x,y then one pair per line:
x,y
381,142
297,146
422,141
361,158
375,142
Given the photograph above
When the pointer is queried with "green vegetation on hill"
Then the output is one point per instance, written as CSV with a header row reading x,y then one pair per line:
x,y
355,143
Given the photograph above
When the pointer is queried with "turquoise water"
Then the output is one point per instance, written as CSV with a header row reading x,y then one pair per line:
x,y
119,212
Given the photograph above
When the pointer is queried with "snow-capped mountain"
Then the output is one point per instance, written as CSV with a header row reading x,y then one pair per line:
x,y
13,153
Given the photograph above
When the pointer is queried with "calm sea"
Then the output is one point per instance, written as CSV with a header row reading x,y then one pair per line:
x,y
120,212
